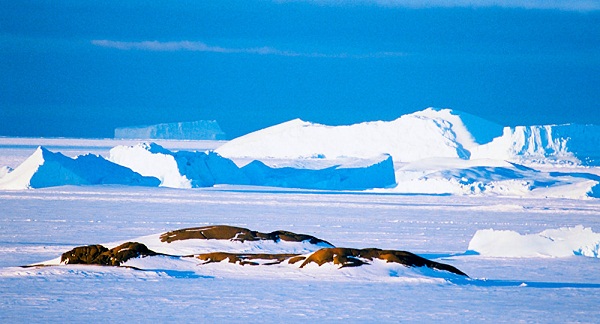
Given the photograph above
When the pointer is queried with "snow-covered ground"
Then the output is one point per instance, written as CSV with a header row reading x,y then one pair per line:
x,y
39,225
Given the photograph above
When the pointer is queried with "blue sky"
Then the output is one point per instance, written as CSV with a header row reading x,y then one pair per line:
x,y
80,69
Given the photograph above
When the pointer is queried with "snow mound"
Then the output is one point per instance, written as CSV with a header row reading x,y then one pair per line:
x,y
570,143
48,169
562,242
431,132
196,130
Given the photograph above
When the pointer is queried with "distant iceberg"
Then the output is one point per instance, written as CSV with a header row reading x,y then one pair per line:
x,y
186,169
149,164
430,133
374,173
444,151
569,143
433,151
196,130
48,169
423,134
183,169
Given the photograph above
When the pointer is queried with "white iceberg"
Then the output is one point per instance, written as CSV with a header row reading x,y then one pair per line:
x,y
196,130
428,133
186,169
48,169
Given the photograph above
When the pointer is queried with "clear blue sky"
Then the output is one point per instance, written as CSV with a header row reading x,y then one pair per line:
x,y
81,68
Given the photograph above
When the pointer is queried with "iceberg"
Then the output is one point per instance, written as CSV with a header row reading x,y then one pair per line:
x,y
48,169
443,151
426,134
181,169
186,169
196,130
569,143
433,151
375,173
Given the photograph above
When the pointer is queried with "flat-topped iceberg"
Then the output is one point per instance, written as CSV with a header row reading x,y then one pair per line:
x,y
186,169
196,130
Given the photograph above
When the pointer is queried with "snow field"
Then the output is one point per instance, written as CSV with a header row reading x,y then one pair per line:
x,y
39,225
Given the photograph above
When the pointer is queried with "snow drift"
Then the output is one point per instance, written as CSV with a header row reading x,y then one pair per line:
x,y
47,169
196,130
562,242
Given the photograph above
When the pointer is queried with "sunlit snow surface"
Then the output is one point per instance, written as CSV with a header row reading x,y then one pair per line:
x,y
39,225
